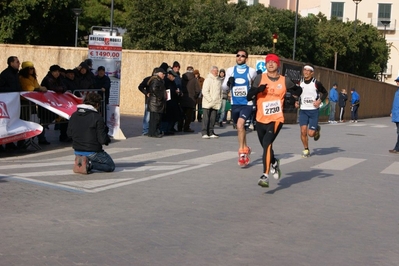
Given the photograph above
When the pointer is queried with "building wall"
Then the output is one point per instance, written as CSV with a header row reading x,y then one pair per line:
x,y
137,64
367,12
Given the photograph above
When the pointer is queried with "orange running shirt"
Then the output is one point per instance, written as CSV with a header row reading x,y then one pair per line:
x,y
270,102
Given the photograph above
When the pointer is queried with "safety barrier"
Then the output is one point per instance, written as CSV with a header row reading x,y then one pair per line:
x,y
35,113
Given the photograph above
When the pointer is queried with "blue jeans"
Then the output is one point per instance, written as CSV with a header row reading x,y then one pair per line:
x,y
332,111
222,111
101,161
397,142
146,120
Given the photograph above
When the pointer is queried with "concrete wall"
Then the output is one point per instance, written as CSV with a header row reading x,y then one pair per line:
x,y
376,97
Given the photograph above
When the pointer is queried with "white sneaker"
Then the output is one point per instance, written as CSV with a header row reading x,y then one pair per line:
x,y
213,136
206,137
251,127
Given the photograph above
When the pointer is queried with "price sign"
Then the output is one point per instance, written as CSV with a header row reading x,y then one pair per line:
x,y
104,54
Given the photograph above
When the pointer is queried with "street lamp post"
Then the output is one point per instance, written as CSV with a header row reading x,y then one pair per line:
x,y
77,12
356,2
296,25
112,16
385,23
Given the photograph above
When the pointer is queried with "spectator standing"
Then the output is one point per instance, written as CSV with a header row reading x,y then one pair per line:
x,y
355,103
333,99
238,80
28,78
70,82
156,101
343,97
176,69
103,83
172,114
222,111
28,81
211,102
313,94
89,132
191,90
53,82
199,99
9,79
9,82
395,116
84,77
143,87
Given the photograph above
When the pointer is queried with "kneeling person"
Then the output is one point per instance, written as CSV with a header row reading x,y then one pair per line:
x,y
89,132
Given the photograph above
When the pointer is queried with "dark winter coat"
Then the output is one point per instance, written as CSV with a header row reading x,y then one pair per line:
x,y
87,129
9,80
103,82
342,98
172,106
53,84
156,101
191,90
85,81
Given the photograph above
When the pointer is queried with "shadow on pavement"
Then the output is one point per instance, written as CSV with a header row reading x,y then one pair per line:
x,y
298,177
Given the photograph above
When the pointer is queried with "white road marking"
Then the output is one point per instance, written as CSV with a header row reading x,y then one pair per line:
x,y
294,158
88,184
393,169
148,178
212,158
100,185
152,156
340,163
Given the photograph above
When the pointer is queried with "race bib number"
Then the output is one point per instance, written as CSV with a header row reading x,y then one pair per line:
x,y
271,108
240,91
308,100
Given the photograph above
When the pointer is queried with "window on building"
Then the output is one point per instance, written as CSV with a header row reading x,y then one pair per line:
x,y
250,2
337,10
384,13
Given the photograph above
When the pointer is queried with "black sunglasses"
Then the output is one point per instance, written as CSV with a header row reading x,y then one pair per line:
x,y
241,55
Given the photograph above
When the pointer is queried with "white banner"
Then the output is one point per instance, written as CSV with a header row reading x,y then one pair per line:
x,y
12,128
106,51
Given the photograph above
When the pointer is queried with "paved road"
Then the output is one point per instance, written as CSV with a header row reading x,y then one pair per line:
x,y
182,200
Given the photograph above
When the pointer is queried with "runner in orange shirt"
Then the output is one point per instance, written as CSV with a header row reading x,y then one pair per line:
x,y
269,90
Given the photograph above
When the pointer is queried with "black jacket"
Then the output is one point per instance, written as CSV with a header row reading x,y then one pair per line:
x,y
85,81
103,82
87,130
9,80
342,98
53,84
71,85
156,101
143,87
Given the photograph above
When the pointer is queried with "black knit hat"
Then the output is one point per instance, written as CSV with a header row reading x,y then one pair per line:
x,y
55,68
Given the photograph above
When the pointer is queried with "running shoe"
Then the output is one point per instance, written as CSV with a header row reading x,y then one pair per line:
x,y
247,154
244,159
263,181
305,153
275,170
241,159
317,133
205,137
